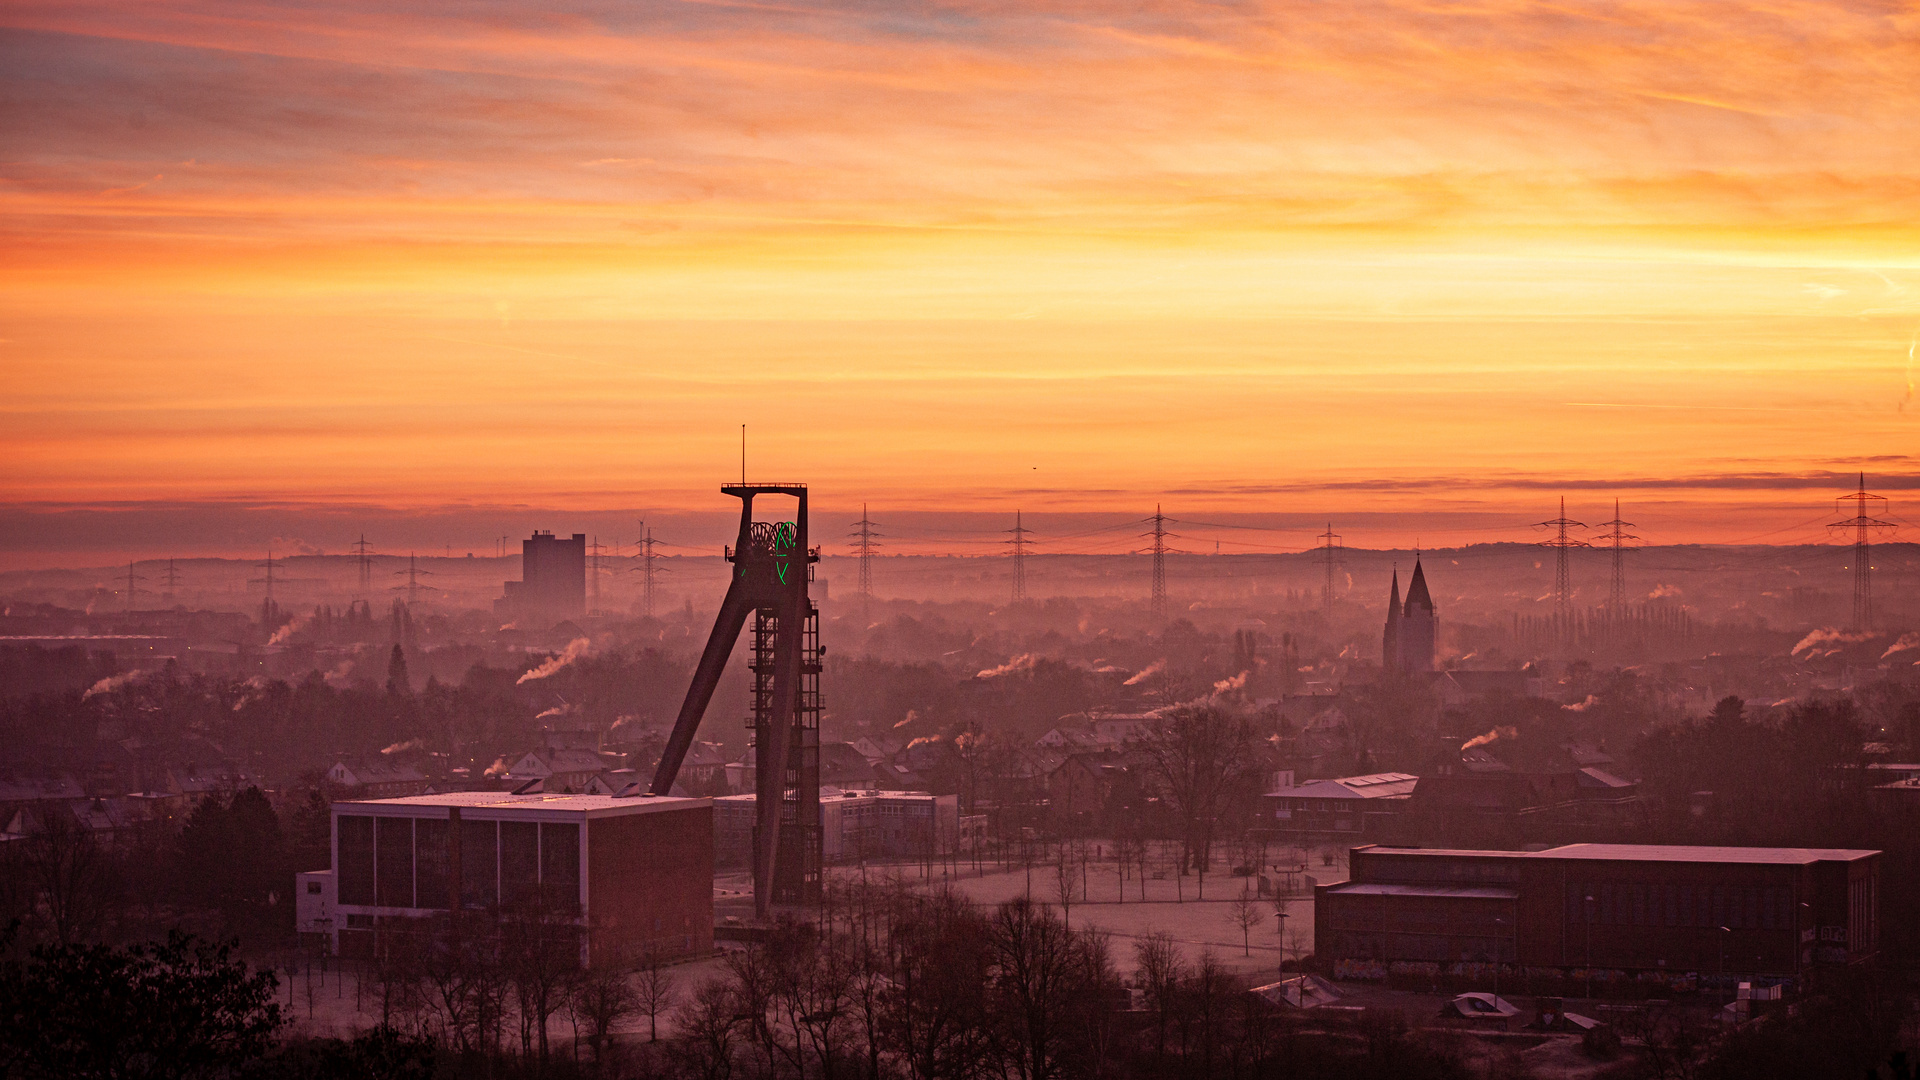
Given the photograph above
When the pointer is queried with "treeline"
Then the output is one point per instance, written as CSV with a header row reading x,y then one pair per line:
x,y
227,870
1798,780
896,983
289,727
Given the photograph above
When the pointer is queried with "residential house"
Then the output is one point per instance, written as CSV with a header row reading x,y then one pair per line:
x,y
377,778
1348,804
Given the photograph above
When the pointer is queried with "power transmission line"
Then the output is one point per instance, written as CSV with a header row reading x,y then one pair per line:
x,y
1860,523
413,574
1160,551
1560,542
269,610
1019,543
594,568
1328,546
132,588
363,556
646,568
865,543
170,582
1616,537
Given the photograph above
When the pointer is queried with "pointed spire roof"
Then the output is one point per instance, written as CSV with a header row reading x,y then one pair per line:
x,y
1417,595
1393,601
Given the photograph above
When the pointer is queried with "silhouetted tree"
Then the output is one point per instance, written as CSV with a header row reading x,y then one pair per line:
x,y
178,1009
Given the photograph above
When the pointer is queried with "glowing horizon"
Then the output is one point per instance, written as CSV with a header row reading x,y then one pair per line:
x,y
1439,258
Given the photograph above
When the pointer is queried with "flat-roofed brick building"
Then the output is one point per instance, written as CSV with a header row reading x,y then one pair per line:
x,y
1624,907
634,873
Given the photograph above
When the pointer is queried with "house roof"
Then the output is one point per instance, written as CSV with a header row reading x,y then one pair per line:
x,y
592,805
1370,786
1482,683
1602,778
565,761
36,788
381,771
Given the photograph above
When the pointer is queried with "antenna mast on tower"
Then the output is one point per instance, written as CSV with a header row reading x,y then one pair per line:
x,y
1860,522
1020,543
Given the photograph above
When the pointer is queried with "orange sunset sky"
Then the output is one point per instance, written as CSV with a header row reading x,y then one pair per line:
x,y
1443,261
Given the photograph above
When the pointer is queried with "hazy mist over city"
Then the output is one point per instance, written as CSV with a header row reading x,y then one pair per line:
x,y
753,541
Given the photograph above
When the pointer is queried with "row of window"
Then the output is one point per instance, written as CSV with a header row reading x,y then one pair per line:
x,y
1737,907
408,862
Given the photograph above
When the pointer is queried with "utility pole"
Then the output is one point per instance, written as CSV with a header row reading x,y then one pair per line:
x,y
1615,537
1330,543
1860,523
363,556
170,582
1562,583
865,542
1019,543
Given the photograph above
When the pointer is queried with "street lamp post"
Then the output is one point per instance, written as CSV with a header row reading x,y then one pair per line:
x,y
1589,946
1725,932
1281,914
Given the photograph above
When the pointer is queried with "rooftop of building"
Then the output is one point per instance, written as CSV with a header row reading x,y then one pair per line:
x,y
1450,892
591,805
1698,853
1680,853
1370,786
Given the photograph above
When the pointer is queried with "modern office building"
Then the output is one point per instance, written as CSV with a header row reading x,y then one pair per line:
x,y
1621,907
553,582
635,874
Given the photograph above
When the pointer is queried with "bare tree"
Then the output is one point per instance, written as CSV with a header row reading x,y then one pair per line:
x,y
601,998
66,871
1043,975
1244,913
709,1024
654,989
540,948
1063,882
1160,971
1201,758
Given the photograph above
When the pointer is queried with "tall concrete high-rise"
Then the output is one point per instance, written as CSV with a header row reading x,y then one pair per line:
x,y
553,581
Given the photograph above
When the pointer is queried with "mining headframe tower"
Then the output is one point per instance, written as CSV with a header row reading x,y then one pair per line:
x,y
772,564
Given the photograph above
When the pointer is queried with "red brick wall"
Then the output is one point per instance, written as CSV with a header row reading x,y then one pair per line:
x,y
650,884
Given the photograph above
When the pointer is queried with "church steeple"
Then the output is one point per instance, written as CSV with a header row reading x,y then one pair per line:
x,y
1390,637
1417,595
1418,625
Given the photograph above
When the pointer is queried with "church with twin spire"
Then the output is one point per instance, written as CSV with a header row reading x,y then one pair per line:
x,y
1406,646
